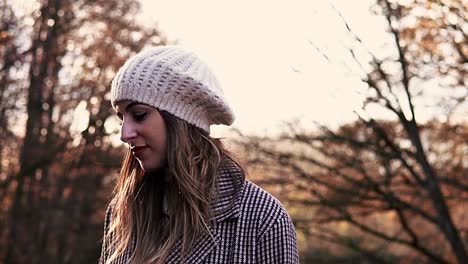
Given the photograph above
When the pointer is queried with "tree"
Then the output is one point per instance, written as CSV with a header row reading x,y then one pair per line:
x,y
10,57
60,185
398,183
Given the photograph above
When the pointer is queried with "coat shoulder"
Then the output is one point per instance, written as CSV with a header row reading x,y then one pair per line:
x,y
261,208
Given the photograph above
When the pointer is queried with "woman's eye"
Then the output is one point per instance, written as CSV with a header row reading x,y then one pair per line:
x,y
139,116
120,119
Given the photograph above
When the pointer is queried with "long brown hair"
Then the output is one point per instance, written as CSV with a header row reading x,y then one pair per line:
x,y
189,185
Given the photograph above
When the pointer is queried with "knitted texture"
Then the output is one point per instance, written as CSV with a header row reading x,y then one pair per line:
x,y
175,80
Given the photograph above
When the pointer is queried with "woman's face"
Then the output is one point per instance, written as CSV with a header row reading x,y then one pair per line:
x,y
144,130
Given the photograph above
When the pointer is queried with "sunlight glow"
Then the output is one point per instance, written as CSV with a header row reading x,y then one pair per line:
x,y
80,119
263,56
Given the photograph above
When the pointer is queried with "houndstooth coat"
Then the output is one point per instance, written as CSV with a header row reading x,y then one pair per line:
x,y
251,227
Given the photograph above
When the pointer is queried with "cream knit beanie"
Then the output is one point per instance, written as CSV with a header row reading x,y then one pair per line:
x,y
175,80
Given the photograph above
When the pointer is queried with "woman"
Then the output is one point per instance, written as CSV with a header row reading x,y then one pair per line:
x,y
180,197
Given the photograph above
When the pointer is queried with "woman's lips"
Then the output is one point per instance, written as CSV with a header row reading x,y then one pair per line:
x,y
138,151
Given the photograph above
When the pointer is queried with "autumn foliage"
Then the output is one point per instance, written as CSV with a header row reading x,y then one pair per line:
x,y
376,190
57,57
385,190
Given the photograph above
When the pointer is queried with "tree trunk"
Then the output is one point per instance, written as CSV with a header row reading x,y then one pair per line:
x,y
25,211
444,218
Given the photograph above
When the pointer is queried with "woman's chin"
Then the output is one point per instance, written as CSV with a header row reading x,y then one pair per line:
x,y
149,168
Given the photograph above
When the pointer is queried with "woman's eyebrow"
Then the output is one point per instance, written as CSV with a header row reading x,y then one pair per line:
x,y
131,105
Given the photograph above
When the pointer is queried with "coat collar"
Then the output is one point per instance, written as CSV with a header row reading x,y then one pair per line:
x,y
225,207
230,186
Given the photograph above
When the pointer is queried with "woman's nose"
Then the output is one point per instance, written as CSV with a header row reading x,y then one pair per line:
x,y
127,132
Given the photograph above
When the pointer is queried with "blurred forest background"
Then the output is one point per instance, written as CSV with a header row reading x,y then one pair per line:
x,y
377,190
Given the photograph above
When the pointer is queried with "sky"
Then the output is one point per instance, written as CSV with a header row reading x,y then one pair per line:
x,y
264,53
